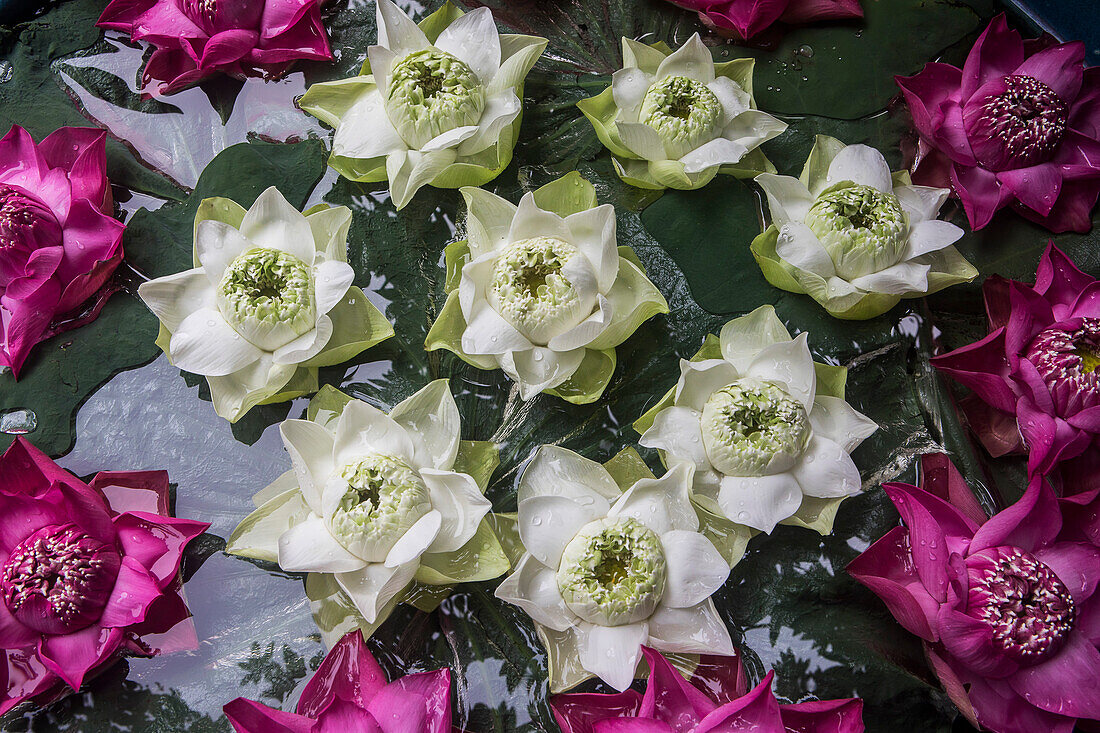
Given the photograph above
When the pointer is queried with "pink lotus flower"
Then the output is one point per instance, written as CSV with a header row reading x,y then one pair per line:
x,y
1019,124
87,572
1034,376
349,693
58,241
1008,611
745,18
195,39
717,702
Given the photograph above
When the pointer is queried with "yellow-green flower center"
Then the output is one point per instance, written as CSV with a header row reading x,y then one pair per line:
x,y
754,428
530,289
684,112
432,92
613,572
864,230
268,297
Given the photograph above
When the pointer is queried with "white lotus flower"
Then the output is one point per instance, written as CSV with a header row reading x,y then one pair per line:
x,y
607,571
263,300
855,237
762,438
676,119
546,295
438,103
377,499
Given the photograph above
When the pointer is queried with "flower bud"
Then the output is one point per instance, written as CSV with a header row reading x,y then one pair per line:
x,y
432,92
613,572
268,297
863,229
531,290
382,498
684,112
754,428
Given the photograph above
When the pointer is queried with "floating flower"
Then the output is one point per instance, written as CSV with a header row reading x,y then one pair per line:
x,y
677,119
718,702
195,39
606,571
542,292
853,236
1007,611
1019,124
349,693
436,104
766,429
744,19
269,302
1033,377
377,501
58,241
88,570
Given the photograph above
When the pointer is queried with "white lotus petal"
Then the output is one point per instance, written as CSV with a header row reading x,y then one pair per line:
x,y
488,333
204,343
450,139
662,504
931,235
692,60
548,523
397,31
473,285
696,570
863,165
752,127
431,419
900,279
798,245
642,140
487,222
628,88
416,540
695,630
257,536
835,419
534,587
733,98
308,547
365,430
531,221
719,151
310,447
461,504
381,61
274,224
790,364
365,131
556,471
473,38
760,502
788,199
584,332
371,588
827,471
743,338
216,245
676,431
174,297
500,111
306,346
612,652
593,233
700,379
332,279
410,171
540,369
921,202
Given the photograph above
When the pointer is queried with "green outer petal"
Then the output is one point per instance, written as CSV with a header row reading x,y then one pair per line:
x,y
506,528
330,226
233,400
563,664
438,21
627,468
651,303
658,174
446,333
568,195
328,101
357,326
648,58
216,208
335,614
740,71
304,381
257,536
901,178
730,538
821,157
600,111
477,459
776,271
456,255
326,406
751,165
372,170
590,380
711,349
831,380
948,268
482,558
424,597
518,55
164,338
816,514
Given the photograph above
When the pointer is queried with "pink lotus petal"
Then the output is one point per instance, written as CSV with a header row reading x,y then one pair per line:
x,y
348,672
669,697
120,15
133,491
996,429
157,542
343,716
90,237
85,509
1076,564
1059,67
928,544
1084,117
970,642
824,716
940,477
397,710
632,725
757,710
82,152
29,166
1067,683
999,708
884,567
135,590
13,634
24,677
25,321
1030,523
433,688
809,11
1059,280
998,52
227,47
579,712
305,39
248,716
72,656
952,685
980,192
984,368
723,679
